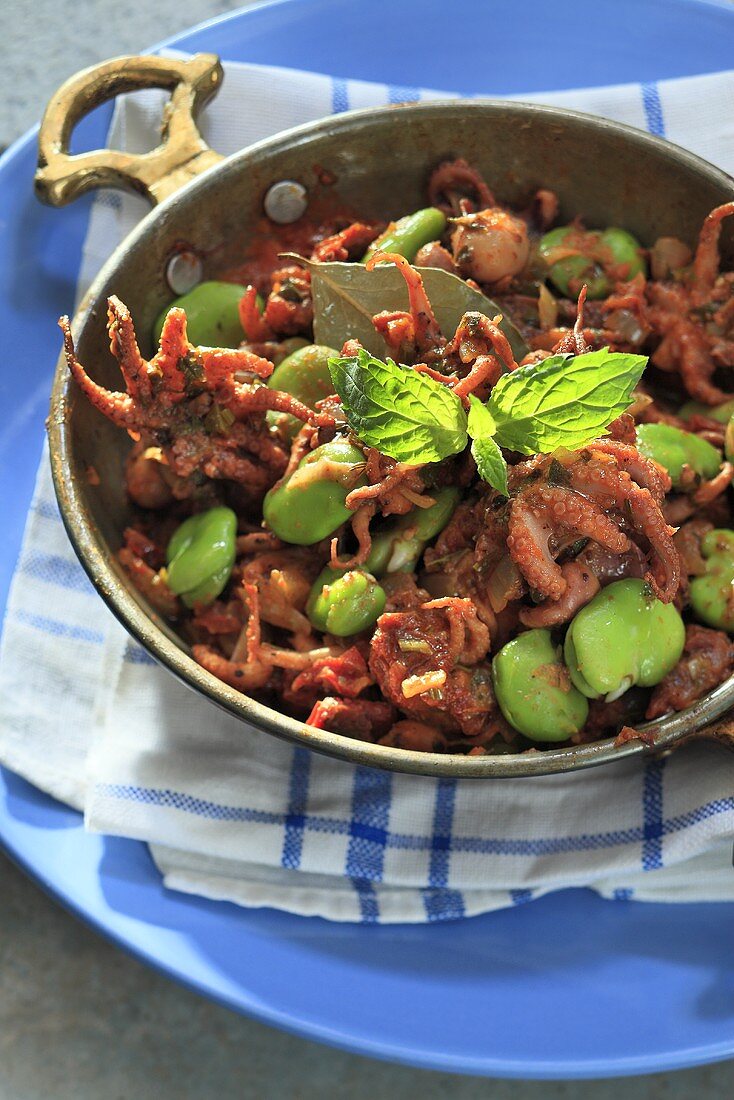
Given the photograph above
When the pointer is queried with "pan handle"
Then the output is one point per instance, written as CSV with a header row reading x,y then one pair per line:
x,y
182,154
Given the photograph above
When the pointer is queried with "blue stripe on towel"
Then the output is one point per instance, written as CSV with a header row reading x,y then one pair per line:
x,y
653,107
295,821
58,629
402,93
53,569
519,897
482,845
440,902
652,814
339,96
368,835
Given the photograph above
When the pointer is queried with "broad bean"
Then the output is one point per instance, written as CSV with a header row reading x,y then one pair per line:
x,y
722,413
309,505
303,374
345,602
408,234
712,595
534,690
598,259
201,554
624,636
398,549
673,449
212,315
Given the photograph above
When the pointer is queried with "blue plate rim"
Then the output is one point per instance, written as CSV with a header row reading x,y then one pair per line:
x,y
486,1066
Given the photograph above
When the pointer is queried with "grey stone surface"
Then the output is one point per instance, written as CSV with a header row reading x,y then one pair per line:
x,y
80,1020
45,41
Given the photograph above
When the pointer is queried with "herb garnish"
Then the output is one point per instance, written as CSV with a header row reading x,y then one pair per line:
x,y
406,415
564,401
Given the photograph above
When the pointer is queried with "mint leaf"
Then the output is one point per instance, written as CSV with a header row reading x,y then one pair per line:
x,y
490,461
564,401
402,413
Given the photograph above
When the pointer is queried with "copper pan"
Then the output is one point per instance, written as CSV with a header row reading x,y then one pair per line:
x,y
380,159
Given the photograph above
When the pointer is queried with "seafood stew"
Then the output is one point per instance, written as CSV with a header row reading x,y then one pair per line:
x,y
458,483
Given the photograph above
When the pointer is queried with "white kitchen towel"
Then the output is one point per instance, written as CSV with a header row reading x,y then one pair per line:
x,y
232,813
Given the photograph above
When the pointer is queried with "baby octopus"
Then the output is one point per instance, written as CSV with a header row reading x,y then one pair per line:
x,y
694,317
606,493
192,404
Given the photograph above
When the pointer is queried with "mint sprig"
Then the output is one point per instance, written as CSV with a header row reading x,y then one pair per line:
x,y
402,413
490,461
564,401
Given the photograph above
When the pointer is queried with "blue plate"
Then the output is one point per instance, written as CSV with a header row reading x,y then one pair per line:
x,y
568,986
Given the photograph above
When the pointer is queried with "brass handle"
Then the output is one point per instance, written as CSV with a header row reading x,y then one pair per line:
x,y
182,154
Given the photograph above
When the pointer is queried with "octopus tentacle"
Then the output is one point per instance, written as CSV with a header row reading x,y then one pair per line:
x,y
574,341
602,481
173,350
453,178
396,487
124,347
706,258
243,675
696,365
244,400
254,326
219,364
468,635
361,527
535,517
117,407
351,241
426,331
480,342
710,490
647,474
581,586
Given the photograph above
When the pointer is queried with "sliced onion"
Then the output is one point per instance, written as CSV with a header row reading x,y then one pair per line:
x,y
623,322
547,308
667,255
504,584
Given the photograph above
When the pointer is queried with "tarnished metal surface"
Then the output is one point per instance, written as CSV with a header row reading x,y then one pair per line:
x,y
605,172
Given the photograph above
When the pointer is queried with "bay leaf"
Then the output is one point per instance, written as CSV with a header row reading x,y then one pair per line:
x,y
346,297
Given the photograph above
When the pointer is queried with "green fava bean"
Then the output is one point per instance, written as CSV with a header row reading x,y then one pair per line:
x,y
624,636
722,413
729,440
569,273
345,603
712,595
212,315
408,234
625,251
201,554
673,449
398,549
534,690
286,348
309,505
305,374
